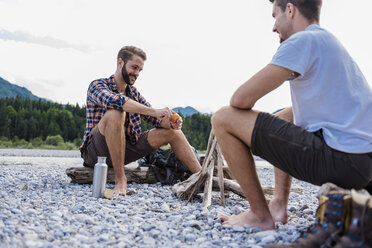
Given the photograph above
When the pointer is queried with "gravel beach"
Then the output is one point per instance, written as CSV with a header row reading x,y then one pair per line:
x,y
41,208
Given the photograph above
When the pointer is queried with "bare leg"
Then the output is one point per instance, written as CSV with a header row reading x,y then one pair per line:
x,y
233,129
179,144
279,204
112,127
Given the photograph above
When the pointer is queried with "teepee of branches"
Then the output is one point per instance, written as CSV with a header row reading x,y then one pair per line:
x,y
204,179
189,188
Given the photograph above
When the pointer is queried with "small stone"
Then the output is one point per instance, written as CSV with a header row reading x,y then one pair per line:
x,y
154,233
190,237
164,207
292,209
147,227
268,239
238,228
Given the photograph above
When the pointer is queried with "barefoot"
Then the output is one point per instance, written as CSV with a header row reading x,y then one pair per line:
x,y
120,189
278,211
247,218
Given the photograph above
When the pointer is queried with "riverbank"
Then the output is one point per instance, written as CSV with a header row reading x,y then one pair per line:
x,y
41,208
39,153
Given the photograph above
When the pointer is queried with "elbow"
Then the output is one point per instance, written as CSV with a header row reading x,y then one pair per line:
x,y
240,102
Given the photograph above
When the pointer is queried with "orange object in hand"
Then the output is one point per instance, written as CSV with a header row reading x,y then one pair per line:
x,y
174,117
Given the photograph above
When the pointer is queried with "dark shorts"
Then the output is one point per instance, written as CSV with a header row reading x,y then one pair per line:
x,y
306,156
97,146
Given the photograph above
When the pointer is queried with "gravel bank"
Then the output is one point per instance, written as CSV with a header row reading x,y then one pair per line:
x,y
40,153
41,208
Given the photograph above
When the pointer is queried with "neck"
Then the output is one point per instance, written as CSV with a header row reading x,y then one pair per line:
x,y
120,84
302,24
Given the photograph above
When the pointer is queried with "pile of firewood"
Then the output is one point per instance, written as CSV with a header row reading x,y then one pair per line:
x,y
204,179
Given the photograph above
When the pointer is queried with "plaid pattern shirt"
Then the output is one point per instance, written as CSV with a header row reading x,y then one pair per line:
x,y
102,95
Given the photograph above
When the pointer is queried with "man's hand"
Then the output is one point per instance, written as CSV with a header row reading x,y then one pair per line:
x,y
176,125
166,123
163,113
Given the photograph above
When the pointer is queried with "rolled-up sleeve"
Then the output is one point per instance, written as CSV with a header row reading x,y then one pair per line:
x,y
100,94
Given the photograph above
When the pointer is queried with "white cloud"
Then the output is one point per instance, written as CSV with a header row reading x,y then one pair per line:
x,y
42,40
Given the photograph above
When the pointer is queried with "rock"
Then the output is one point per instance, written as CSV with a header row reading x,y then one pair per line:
x,y
238,228
190,237
147,227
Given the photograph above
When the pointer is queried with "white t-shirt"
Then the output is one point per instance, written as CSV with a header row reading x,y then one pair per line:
x,y
331,92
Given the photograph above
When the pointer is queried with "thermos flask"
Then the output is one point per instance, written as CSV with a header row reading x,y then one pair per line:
x,y
99,177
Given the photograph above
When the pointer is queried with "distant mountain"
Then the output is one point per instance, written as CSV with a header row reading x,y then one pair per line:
x,y
8,89
188,111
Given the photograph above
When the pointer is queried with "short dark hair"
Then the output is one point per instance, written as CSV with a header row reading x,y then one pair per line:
x,y
310,9
126,53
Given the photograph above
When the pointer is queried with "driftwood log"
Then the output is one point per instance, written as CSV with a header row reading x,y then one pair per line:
x,y
84,175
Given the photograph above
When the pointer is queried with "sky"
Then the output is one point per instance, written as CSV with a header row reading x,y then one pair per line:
x,y
199,51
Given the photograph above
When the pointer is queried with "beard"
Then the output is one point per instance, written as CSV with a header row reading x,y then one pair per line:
x,y
126,75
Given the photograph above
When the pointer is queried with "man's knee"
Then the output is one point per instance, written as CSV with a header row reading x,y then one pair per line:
x,y
173,134
219,118
158,136
113,118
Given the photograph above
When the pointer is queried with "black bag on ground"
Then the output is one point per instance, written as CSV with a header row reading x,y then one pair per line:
x,y
168,169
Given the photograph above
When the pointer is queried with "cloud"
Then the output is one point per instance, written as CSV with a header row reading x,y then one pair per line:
x,y
43,40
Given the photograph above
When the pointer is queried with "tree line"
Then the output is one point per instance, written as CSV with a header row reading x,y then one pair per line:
x,y
39,122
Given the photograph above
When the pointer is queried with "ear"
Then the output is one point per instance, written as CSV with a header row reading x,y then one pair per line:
x,y
120,62
291,10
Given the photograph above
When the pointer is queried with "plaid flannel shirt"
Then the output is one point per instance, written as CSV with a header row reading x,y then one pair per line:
x,y
102,95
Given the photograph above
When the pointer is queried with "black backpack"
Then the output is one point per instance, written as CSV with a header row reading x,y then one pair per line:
x,y
168,169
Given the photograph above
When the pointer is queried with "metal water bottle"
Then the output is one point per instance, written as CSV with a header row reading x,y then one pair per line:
x,y
99,177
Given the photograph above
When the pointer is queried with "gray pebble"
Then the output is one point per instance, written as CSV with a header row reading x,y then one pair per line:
x,y
238,228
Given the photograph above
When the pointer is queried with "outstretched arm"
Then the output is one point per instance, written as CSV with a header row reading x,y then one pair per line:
x,y
132,106
264,81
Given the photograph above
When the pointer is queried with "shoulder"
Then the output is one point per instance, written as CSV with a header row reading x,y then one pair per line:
x,y
304,43
107,81
102,82
312,34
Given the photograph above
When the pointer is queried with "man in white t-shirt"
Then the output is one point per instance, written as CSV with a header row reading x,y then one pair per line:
x,y
326,136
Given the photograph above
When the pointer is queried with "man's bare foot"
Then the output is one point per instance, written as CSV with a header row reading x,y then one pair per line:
x,y
120,189
247,218
278,211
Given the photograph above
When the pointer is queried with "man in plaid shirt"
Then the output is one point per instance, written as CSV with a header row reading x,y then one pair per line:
x,y
113,127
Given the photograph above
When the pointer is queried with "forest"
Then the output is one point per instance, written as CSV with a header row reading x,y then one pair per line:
x,y
26,123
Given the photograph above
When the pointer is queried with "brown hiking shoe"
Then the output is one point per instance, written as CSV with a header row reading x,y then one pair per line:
x,y
332,220
359,233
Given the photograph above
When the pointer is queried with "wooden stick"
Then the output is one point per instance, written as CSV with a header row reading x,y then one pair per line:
x,y
220,176
207,197
210,140
233,186
209,155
